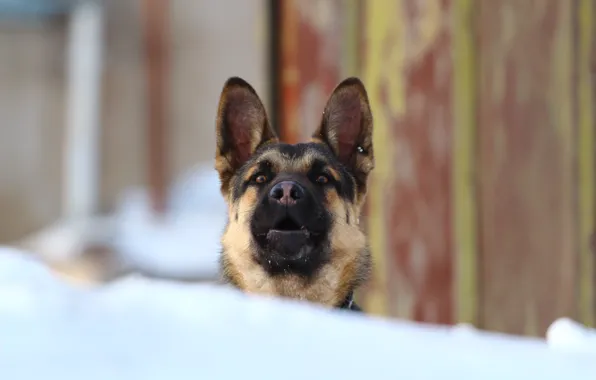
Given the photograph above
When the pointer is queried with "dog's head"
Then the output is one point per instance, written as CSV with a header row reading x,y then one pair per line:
x,y
293,226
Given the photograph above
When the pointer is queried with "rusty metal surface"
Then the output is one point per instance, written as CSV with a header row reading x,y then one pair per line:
x,y
408,70
525,171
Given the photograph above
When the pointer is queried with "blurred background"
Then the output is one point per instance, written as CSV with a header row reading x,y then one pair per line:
x,y
481,207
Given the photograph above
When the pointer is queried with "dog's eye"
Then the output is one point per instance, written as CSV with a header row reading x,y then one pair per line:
x,y
322,179
261,178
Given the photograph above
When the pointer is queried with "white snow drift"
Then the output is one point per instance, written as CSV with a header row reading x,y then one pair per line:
x,y
156,330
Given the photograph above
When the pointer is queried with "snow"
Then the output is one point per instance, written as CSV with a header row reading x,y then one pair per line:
x,y
144,329
186,242
569,336
65,239
183,244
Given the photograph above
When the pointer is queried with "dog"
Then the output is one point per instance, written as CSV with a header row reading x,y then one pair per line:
x,y
294,210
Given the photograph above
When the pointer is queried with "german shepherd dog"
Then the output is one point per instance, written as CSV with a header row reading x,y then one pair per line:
x,y
294,210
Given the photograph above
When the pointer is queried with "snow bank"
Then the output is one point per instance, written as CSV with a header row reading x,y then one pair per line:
x,y
156,330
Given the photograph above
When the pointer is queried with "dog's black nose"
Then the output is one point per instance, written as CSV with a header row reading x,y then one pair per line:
x,y
286,193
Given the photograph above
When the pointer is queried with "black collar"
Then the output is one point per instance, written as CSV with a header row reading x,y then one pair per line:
x,y
349,304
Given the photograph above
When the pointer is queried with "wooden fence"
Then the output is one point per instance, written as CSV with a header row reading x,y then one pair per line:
x,y
481,205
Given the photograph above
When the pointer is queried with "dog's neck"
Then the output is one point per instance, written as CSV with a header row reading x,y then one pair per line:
x,y
331,285
349,304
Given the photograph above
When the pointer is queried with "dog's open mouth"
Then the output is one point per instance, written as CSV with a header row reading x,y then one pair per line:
x,y
287,224
287,227
288,238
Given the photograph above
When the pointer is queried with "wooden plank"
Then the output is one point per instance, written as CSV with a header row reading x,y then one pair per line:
x,y
526,174
156,15
349,65
464,161
586,160
408,71
289,72
378,19
311,62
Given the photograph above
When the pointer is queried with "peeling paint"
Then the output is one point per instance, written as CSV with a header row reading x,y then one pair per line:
x,y
379,24
312,42
408,73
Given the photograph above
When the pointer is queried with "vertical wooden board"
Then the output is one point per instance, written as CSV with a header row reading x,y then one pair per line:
x,y
465,214
311,51
408,71
377,24
32,104
351,29
123,128
526,173
156,39
584,14
289,72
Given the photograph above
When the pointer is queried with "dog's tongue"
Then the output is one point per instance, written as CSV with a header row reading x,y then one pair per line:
x,y
288,243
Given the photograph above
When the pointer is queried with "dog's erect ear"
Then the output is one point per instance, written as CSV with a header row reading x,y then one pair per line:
x,y
347,128
242,127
